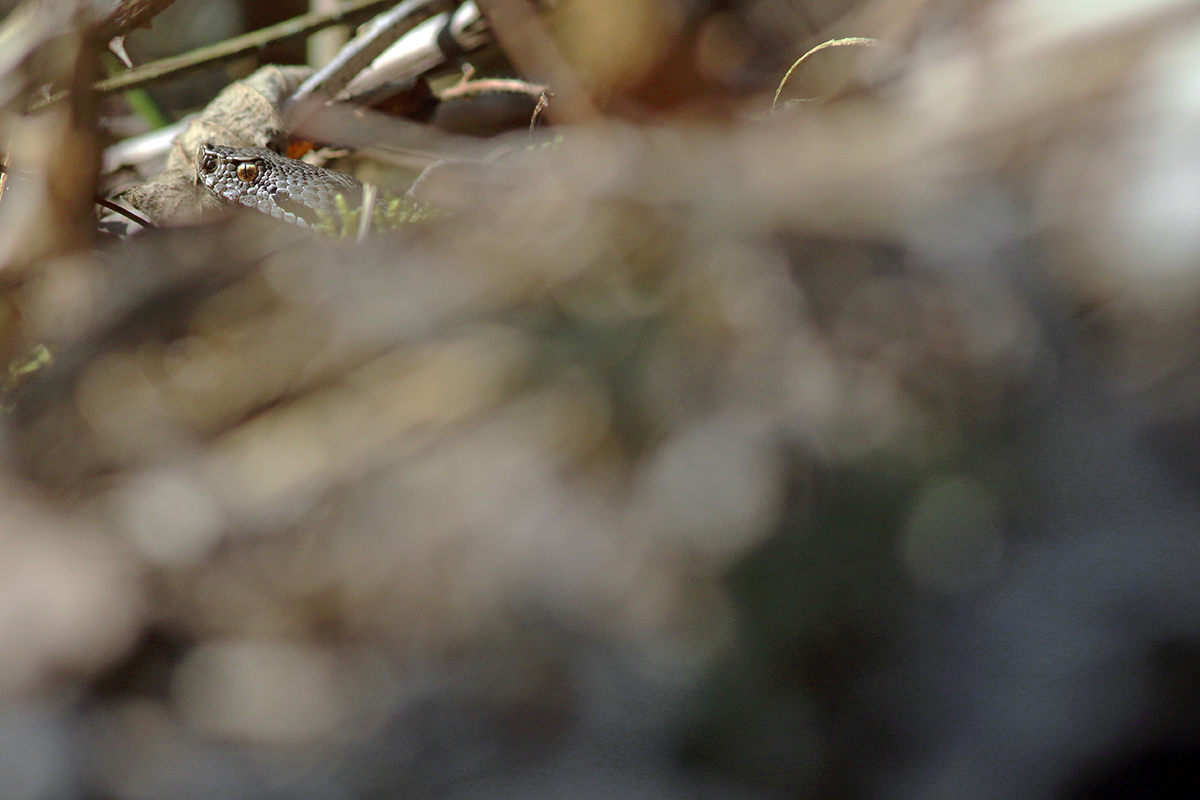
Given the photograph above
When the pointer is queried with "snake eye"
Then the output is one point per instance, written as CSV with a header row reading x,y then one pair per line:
x,y
208,162
247,172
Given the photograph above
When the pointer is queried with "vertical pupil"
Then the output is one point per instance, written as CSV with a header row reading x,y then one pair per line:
x,y
247,172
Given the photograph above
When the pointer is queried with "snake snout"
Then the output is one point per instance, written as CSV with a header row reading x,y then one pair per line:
x,y
206,158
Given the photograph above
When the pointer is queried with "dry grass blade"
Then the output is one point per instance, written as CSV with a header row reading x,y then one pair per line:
x,y
856,41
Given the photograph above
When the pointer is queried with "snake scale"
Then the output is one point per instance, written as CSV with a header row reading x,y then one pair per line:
x,y
287,189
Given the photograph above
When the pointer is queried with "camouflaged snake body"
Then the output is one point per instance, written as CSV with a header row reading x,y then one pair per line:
x,y
287,189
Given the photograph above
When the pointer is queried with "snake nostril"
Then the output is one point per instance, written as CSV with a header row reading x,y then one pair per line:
x,y
208,162
247,172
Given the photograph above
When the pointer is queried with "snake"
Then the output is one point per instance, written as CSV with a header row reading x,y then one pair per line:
x,y
287,189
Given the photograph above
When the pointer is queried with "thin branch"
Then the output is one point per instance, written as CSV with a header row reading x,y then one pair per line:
x,y
492,86
111,206
295,28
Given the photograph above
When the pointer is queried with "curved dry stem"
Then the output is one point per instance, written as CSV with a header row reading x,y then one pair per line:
x,y
851,41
